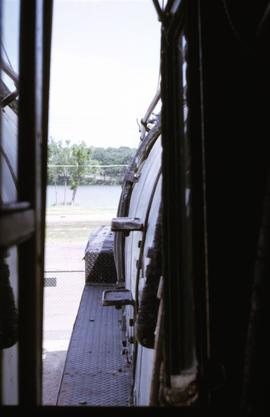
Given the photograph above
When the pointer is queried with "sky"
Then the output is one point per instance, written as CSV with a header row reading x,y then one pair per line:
x,y
104,67
10,35
104,70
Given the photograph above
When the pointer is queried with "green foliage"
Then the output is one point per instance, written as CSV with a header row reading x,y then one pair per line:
x,y
79,157
59,154
53,159
114,156
79,164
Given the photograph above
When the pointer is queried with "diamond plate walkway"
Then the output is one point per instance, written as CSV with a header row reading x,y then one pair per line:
x,y
95,373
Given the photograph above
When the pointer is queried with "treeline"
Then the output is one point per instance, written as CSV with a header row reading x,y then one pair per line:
x,y
72,165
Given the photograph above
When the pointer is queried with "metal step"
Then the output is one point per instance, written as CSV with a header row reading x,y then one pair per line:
x,y
95,373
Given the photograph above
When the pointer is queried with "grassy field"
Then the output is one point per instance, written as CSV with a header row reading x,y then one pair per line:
x,y
69,225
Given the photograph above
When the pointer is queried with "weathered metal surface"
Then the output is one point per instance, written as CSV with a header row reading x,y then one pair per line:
x,y
9,385
127,188
183,390
144,204
95,374
145,360
8,152
148,300
99,260
139,204
131,177
126,224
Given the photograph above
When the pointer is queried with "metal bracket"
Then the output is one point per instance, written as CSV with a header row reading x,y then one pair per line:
x,y
126,224
132,177
117,298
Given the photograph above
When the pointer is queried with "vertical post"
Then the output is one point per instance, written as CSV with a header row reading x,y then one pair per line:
x,y
33,120
29,315
0,179
185,263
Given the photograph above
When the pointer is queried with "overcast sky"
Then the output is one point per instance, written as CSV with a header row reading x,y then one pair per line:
x,y
105,68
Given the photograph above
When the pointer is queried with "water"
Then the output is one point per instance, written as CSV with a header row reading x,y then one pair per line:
x,y
89,196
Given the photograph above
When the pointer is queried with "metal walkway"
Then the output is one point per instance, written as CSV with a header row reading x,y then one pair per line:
x,y
95,373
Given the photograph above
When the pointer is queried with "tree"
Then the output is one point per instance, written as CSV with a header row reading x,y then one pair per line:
x,y
80,158
54,157
69,164
94,171
114,156
64,160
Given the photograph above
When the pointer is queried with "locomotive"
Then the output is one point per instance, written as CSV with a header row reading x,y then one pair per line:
x,y
191,236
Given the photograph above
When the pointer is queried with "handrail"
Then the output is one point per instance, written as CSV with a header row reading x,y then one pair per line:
x,y
9,71
145,119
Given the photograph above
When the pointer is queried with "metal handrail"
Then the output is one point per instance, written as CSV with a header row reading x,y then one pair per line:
x,y
149,112
9,71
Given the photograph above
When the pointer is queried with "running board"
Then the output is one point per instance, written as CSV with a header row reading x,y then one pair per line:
x,y
95,373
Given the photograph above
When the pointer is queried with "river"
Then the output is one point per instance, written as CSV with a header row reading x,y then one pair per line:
x,y
88,196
